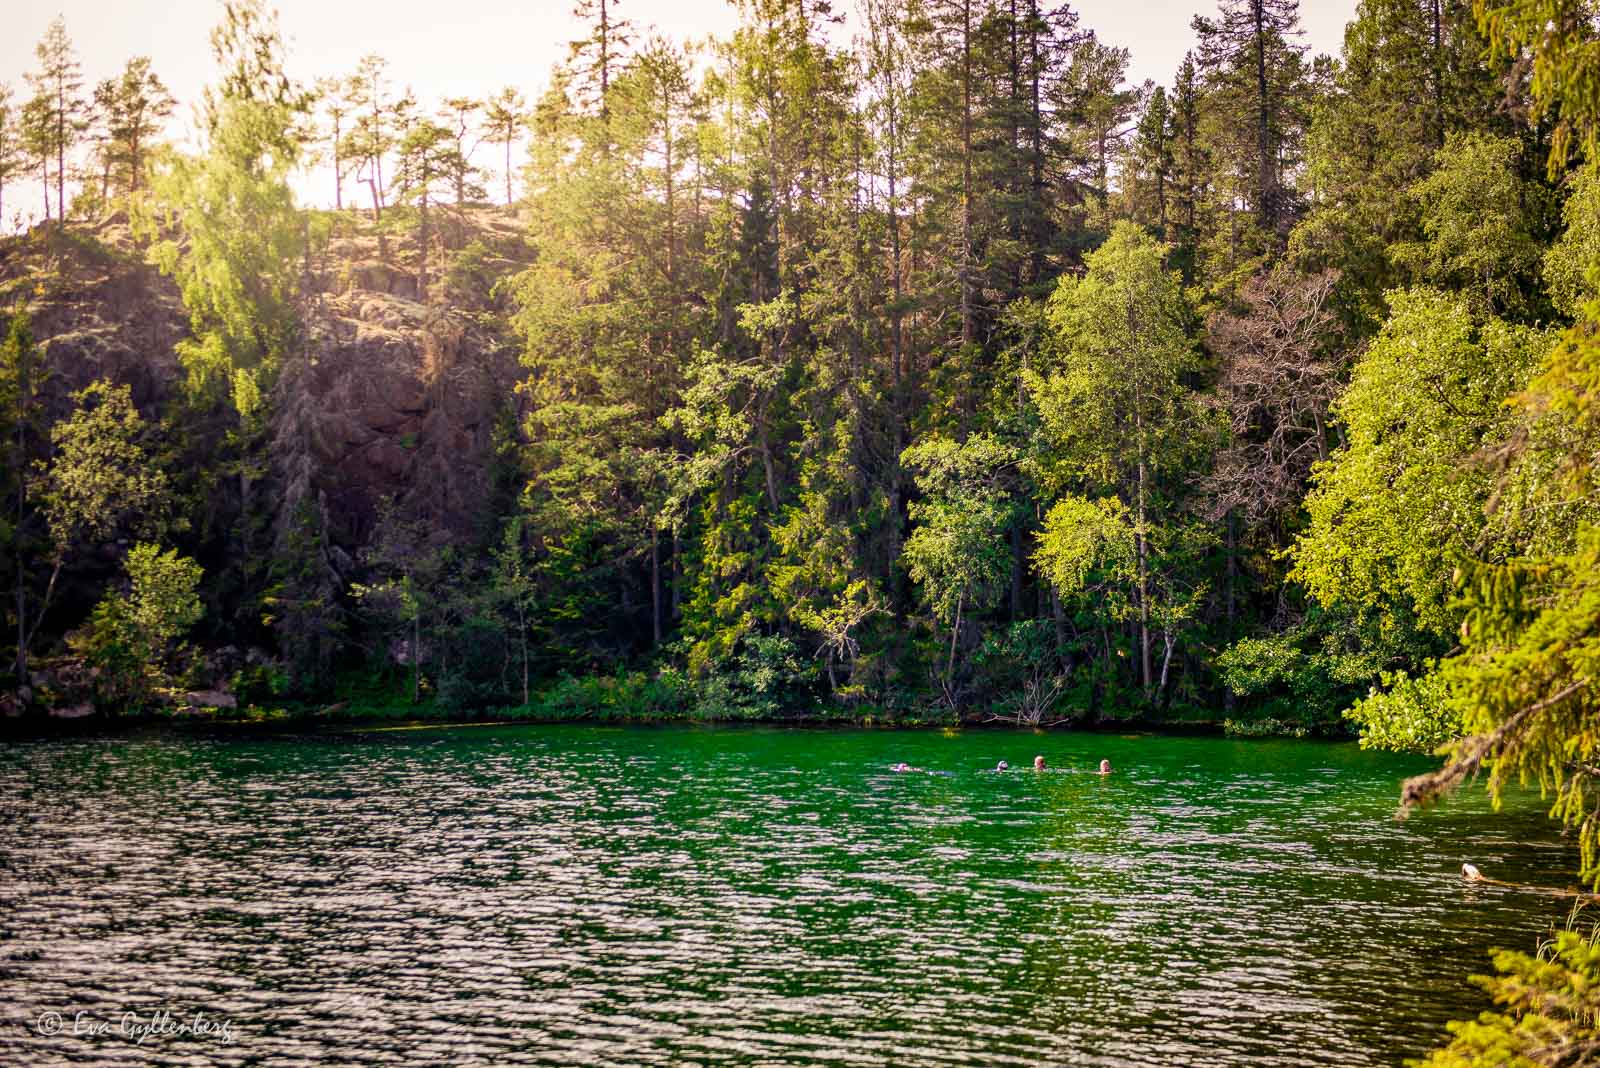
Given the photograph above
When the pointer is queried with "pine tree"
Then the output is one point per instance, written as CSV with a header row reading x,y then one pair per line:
x,y
373,134
335,95
36,128
132,109
456,114
1151,163
426,160
504,115
1413,71
1098,106
62,112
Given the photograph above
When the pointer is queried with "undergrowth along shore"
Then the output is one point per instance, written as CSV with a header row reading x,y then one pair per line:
x,y
635,698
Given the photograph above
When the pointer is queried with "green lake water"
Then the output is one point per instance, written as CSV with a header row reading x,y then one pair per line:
x,y
681,896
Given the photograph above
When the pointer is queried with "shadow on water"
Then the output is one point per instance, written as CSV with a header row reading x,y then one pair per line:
x,y
573,895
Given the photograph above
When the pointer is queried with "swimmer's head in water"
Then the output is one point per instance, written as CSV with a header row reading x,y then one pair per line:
x,y
902,766
1002,766
1105,767
1038,763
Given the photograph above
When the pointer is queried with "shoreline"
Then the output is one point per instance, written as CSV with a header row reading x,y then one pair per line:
x,y
400,718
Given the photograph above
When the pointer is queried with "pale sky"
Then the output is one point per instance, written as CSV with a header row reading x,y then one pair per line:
x,y
442,50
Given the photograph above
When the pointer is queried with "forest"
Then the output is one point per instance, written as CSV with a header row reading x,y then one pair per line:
x,y
939,374
899,365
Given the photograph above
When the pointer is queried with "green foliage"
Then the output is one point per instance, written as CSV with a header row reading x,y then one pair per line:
x,y
1480,221
1409,75
1120,425
302,603
764,679
224,224
133,108
1021,667
1548,1009
1556,39
1113,394
1410,713
162,600
956,554
1572,264
101,475
129,637
622,696
1265,727
1307,674
1083,539
1522,683
1397,506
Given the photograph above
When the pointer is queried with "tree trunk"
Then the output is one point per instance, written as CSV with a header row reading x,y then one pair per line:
x,y
1036,132
605,78
955,633
522,635
422,248
1166,660
1017,565
61,150
1230,604
1267,191
1437,133
338,169
766,465
677,579
967,330
24,389
1144,570
416,657
896,330
1059,614
655,584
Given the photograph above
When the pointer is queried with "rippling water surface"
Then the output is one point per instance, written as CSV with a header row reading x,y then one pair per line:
x,y
592,896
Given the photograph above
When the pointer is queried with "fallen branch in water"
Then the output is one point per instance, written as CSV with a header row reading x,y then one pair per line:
x,y
1430,786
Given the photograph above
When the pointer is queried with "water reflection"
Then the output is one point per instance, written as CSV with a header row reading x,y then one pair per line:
x,y
652,896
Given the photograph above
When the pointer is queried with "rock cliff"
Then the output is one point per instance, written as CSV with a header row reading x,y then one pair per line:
x,y
394,394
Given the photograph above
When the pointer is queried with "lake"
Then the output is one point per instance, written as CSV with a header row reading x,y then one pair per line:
x,y
581,895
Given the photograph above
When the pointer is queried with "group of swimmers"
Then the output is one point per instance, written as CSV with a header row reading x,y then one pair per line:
x,y
1038,765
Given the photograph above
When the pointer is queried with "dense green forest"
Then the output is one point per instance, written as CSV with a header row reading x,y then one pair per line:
x,y
943,374
939,374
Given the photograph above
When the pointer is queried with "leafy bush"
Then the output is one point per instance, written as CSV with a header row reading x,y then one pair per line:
x,y
260,682
764,678
1412,714
475,672
129,637
1304,675
625,695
